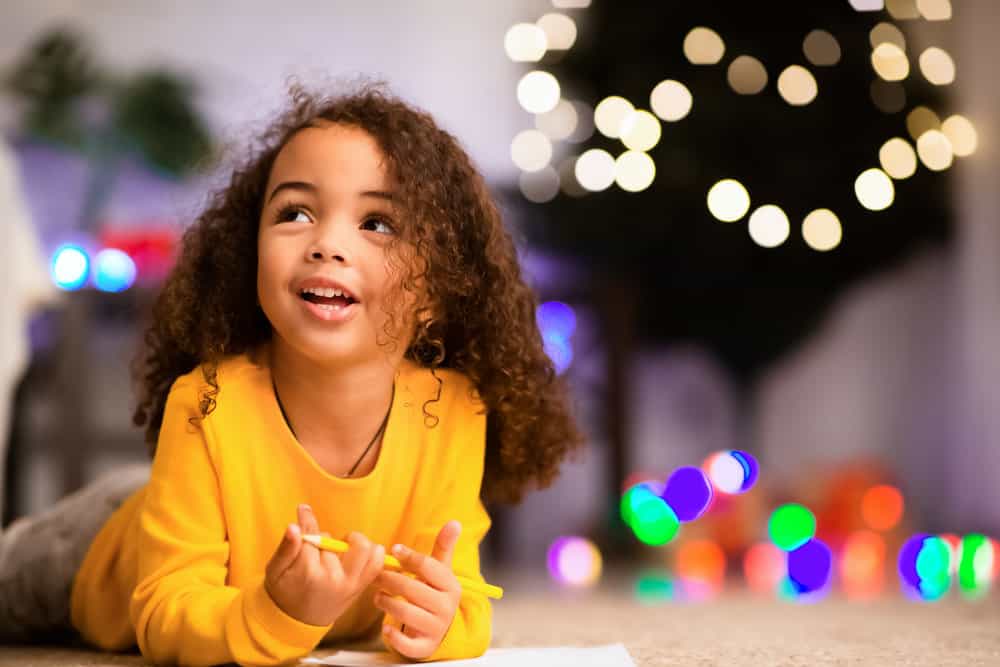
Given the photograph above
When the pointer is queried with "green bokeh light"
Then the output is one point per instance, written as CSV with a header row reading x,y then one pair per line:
x,y
972,581
934,561
653,587
653,521
791,526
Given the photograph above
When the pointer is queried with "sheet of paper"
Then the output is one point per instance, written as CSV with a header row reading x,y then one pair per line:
x,y
612,655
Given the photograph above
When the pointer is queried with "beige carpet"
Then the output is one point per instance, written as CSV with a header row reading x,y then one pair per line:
x,y
738,629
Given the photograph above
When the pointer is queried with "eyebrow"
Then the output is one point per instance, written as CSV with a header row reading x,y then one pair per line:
x,y
303,185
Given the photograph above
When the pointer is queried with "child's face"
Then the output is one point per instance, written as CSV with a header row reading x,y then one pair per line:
x,y
328,215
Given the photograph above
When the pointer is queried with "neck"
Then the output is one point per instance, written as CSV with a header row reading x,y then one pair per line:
x,y
338,408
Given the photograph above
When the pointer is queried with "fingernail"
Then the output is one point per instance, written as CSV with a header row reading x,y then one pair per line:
x,y
398,550
305,507
294,528
458,526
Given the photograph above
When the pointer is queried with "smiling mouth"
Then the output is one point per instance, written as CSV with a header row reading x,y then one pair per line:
x,y
335,301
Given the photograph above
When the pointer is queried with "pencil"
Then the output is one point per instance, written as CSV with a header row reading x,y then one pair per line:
x,y
391,562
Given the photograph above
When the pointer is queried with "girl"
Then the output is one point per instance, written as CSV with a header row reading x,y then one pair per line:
x,y
346,346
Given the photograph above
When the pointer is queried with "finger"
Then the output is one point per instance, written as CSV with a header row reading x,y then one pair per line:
x,y
329,559
444,545
310,557
308,520
421,620
373,568
414,590
412,647
288,549
357,555
434,572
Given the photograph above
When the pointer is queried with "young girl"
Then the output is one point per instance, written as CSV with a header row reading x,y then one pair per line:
x,y
346,346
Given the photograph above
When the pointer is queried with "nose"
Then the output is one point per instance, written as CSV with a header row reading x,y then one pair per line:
x,y
327,243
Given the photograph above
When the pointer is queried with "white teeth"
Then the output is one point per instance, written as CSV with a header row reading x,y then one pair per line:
x,y
327,292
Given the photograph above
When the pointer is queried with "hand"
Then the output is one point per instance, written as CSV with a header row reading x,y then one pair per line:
x,y
428,604
316,586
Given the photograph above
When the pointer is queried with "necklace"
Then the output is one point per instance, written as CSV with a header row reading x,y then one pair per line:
x,y
385,420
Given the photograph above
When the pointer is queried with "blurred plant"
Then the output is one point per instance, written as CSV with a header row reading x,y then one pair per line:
x,y
69,100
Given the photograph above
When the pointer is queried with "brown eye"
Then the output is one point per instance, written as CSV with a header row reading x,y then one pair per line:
x,y
381,225
284,213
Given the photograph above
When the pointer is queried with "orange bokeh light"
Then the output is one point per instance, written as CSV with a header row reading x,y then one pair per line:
x,y
882,507
862,567
764,567
702,561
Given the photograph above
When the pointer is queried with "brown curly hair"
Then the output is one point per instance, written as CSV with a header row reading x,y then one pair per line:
x,y
476,314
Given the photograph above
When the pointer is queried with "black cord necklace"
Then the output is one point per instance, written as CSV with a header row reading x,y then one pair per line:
x,y
385,420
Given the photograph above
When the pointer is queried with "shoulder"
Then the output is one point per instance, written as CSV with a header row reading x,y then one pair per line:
x,y
214,380
448,391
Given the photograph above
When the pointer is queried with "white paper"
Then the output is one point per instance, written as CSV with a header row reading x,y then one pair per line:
x,y
612,655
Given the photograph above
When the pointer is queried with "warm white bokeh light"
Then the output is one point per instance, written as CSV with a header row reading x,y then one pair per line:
x,y
571,4
634,171
962,135
531,150
595,170
640,131
920,120
935,150
868,5
560,31
539,186
525,42
874,190
898,159
538,92
887,33
728,200
797,85
703,46
610,114
746,75
889,62
567,178
560,123
670,100
935,10
937,66
584,122
768,226
821,230
902,9
821,48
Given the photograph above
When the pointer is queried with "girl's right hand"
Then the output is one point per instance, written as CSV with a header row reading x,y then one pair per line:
x,y
316,586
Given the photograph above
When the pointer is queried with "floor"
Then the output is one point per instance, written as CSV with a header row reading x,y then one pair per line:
x,y
736,629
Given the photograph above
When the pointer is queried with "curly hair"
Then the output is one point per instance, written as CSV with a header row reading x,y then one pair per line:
x,y
477,314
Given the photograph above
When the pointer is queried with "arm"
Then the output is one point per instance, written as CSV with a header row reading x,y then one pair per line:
x,y
182,609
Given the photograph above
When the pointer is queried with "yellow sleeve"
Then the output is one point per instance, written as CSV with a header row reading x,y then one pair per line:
x,y
472,628
182,610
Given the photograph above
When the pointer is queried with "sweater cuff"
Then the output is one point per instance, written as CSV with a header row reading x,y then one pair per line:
x,y
278,626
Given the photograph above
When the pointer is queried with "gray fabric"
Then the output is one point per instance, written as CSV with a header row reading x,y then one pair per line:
x,y
40,555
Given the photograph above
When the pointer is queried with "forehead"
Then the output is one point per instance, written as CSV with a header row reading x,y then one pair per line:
x,y
334,156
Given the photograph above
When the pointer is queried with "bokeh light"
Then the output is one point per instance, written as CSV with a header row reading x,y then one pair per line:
x,y
731,471
902,9
70,266
821,230
937,66
791,526
539,186
560,31
935,10
703,46
114,270
688,492
882,507
655,587
530,150
525,42
976,567
574,561
768,226
671,100
610,114
640,131
898,159
821,48
728,200
874,190
559,123
634,171
764,567
797,85
924,567
751,469
920,120
810,566
889,62
887,33
962,135
934,150
538,92
556,318
701,567
595,169
862,564
746,75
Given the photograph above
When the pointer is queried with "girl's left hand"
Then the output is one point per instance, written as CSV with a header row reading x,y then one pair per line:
x,y
429,603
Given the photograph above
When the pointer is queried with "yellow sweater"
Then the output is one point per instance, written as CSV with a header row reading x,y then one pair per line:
x,y
179,567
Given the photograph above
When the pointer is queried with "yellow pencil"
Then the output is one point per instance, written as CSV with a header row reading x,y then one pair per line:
x,y
330,544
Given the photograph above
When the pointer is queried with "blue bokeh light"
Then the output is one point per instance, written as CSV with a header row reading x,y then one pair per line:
x,y
688,492
70,265
810,566
555,318
114,270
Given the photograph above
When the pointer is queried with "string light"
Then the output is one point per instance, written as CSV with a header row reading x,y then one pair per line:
x,y
821,230
703,46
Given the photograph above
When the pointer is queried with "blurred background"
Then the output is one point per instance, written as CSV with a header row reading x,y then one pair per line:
x,y
769,228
